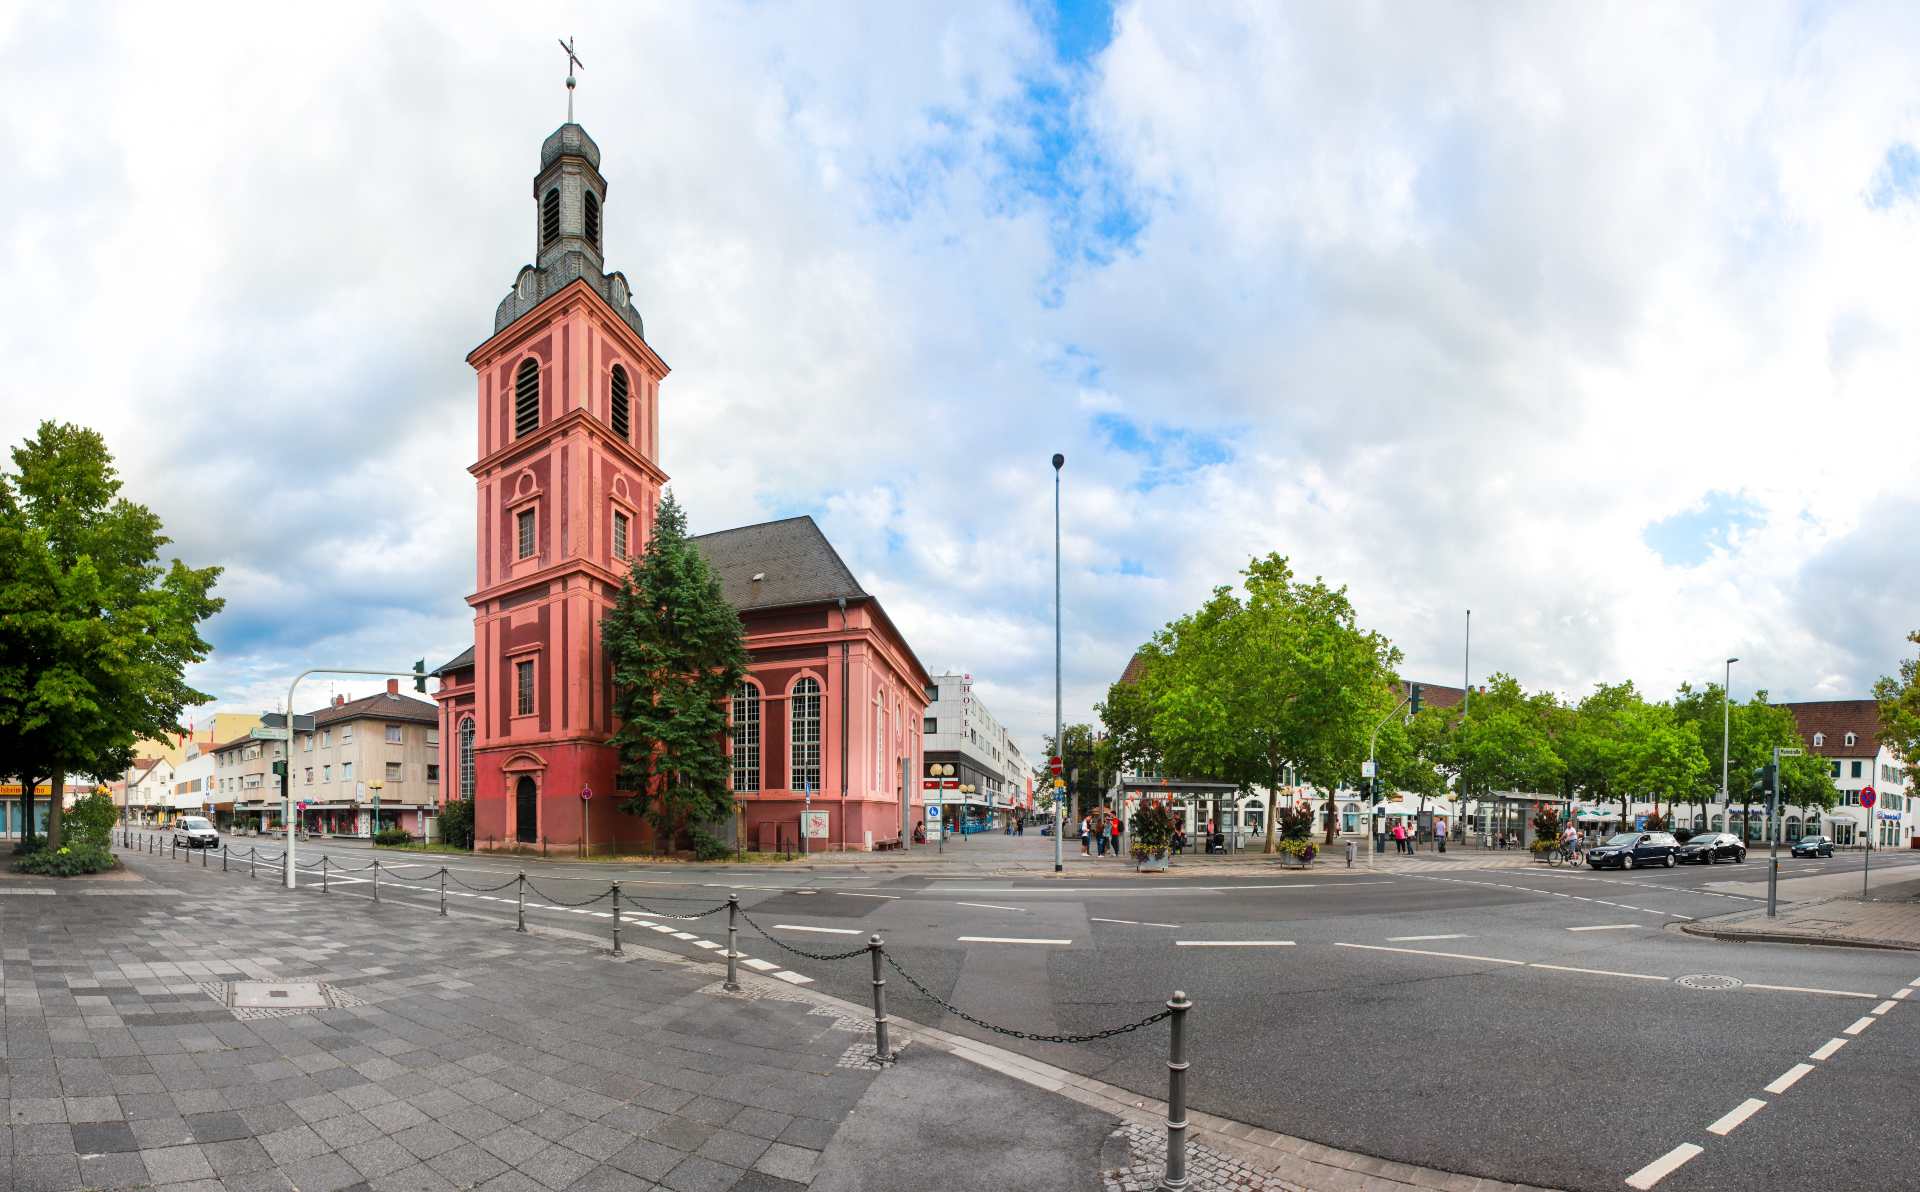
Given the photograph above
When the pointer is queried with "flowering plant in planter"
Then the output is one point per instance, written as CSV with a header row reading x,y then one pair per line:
x,y
1152,830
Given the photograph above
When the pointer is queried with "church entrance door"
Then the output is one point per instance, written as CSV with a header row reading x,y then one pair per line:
x,y
526,816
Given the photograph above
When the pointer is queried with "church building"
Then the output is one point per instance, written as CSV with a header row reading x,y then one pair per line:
x,y
566,483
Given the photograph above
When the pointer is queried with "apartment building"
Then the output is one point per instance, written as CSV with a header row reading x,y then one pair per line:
x,y
989,776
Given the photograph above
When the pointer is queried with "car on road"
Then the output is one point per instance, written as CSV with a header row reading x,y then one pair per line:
x,y
195,831
1631,850
1710,848
1813,846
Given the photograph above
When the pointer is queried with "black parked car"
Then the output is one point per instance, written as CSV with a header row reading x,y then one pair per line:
x,y
1630,850
1709,848
1813,846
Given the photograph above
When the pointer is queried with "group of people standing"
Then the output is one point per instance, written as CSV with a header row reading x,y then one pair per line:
x,y
1099,832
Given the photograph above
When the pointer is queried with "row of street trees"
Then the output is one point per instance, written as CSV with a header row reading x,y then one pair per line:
x,y
95,633
1276,683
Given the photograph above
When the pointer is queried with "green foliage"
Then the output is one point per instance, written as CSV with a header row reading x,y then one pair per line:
x,y
69,860
391,836
91,820
95,635
1300,846
456,823
1656,822
1900,707
1085,754
678,653
707,846
1546,826
1151,828
1296,822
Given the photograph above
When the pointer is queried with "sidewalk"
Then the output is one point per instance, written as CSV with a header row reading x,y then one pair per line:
x,y
404,1052
1890,919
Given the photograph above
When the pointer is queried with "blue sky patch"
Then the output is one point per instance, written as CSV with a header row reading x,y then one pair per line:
x,y
1898,179
1688,538
1167,454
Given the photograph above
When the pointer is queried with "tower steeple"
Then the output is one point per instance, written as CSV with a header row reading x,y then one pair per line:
x,y
569,210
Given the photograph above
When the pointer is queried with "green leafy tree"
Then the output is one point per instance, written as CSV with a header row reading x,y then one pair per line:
x,y
95,634
678,653
1899,698
1601,745
1667,762
1505,740
1081,766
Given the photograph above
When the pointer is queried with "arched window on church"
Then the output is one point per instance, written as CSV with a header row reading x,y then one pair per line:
x,y
622,402
550,217
803,750
466,758
746,737
593,219
526,398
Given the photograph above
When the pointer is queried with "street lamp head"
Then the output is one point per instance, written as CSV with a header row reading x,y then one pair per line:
x,y
1059,461
1731,661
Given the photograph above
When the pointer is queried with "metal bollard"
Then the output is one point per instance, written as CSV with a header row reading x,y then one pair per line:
x,y
882,1050
733,945
203,857
376,881
520,904
323,873
616,919
225,849
443,891
1176,1179
253,857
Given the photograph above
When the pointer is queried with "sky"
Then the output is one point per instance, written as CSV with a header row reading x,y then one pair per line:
x,y
1599,321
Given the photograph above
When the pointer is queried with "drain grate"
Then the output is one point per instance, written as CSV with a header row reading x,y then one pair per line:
x,y
1712,982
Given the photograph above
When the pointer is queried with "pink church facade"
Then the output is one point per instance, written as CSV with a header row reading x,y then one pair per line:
x,y
566,483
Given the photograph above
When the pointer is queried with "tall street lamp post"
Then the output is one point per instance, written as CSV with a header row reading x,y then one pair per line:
x,y
1726,722
1059,742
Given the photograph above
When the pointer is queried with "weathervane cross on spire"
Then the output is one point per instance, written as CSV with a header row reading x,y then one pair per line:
x,y
573,63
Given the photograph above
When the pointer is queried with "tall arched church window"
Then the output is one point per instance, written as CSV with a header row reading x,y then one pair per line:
x,y
746,738
550,217
593,219
622,402
879,743
466,758
526,398
803,750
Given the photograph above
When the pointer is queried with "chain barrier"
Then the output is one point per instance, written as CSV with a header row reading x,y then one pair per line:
x,y
984,1025
482,889
860,951
538,893
644,909
398,876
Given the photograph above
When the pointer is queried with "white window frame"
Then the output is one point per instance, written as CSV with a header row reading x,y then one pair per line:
x,y
395,735
744,717
803,734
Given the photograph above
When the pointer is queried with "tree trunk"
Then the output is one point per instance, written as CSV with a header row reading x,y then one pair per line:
x,y
1333,810
56,803
1273,808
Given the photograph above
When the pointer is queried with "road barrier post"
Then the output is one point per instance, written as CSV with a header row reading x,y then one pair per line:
x,y
520,904
882,1051
203,857
616,918
443,891
253,857
733,944
1176,1177
376,881
225,850
324,868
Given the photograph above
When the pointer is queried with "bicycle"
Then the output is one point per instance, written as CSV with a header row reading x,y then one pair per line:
x,y
1563,855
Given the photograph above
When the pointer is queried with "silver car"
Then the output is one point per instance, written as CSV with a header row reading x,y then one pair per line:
x,y
195,831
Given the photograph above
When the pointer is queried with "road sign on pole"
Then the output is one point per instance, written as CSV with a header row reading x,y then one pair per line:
x,y
1053,765
1867,796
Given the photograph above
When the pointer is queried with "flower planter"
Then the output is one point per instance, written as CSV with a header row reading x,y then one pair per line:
x,y
1154,862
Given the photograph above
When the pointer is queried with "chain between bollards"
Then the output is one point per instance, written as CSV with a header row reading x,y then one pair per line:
x,y
1176,1178
443,891
733,945
882,1050
520,904
616,919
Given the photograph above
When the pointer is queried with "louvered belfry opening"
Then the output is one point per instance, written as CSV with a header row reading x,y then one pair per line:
x,y
526,398
621,403
593,219
550,218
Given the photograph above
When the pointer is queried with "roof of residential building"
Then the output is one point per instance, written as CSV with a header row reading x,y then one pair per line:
x,y
1832,720
379,706
793,560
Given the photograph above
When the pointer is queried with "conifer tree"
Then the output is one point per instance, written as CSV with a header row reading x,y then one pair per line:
x,y
678,653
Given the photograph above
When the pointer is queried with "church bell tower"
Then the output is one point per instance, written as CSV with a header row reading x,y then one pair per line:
x,y
566,483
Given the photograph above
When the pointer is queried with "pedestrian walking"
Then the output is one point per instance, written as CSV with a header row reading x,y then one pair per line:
x,y
1349,854
1399,837
1086,835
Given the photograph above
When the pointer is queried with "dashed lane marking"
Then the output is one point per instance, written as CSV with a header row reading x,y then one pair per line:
x,y
1789,1078
1826,1050
991,906
1129,922
1730,1121
1859,1025
1233,943
792,978
1664,1166
1608,927
1413,939
1426,952
1809,989
851,894
819,930
1883,1007
763,966
1567,968
1006,939
1900,995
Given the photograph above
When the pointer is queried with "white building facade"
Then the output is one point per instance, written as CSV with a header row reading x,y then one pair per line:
x,y
991,779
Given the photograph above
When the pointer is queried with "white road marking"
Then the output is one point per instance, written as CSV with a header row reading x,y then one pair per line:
x,y
1900,995
1005,939
1828,1048
1564,968
1233,943
991,906
1153,891
1663,1167
663,928
705,944
764,966
1414,939
1730,1121
1859,1026
1608,927
820,930
851,894
1789,1078
793,978
1805,989
1883,1007
1128,922
684,935
1424,952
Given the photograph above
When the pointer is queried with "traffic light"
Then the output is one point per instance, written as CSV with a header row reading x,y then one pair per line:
x,y
420,675
1764,779
280,768
1413,701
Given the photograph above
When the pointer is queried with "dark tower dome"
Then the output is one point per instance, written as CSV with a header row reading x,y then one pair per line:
x,y
569,139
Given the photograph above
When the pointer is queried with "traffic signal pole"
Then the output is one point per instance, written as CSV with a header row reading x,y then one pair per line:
x,y
419,673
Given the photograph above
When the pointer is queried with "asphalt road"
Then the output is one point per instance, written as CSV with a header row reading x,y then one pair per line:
x,y
1525,1024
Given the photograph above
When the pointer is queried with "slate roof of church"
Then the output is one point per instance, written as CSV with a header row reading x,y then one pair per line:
x,y
461,661
796,563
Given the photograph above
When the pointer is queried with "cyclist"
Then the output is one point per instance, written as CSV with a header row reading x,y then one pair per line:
x,y
1570,843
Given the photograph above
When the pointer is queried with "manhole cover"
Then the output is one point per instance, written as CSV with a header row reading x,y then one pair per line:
x,y
278,999
1710,981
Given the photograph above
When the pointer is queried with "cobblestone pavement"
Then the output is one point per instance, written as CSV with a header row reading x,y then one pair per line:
x,y
1890,919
